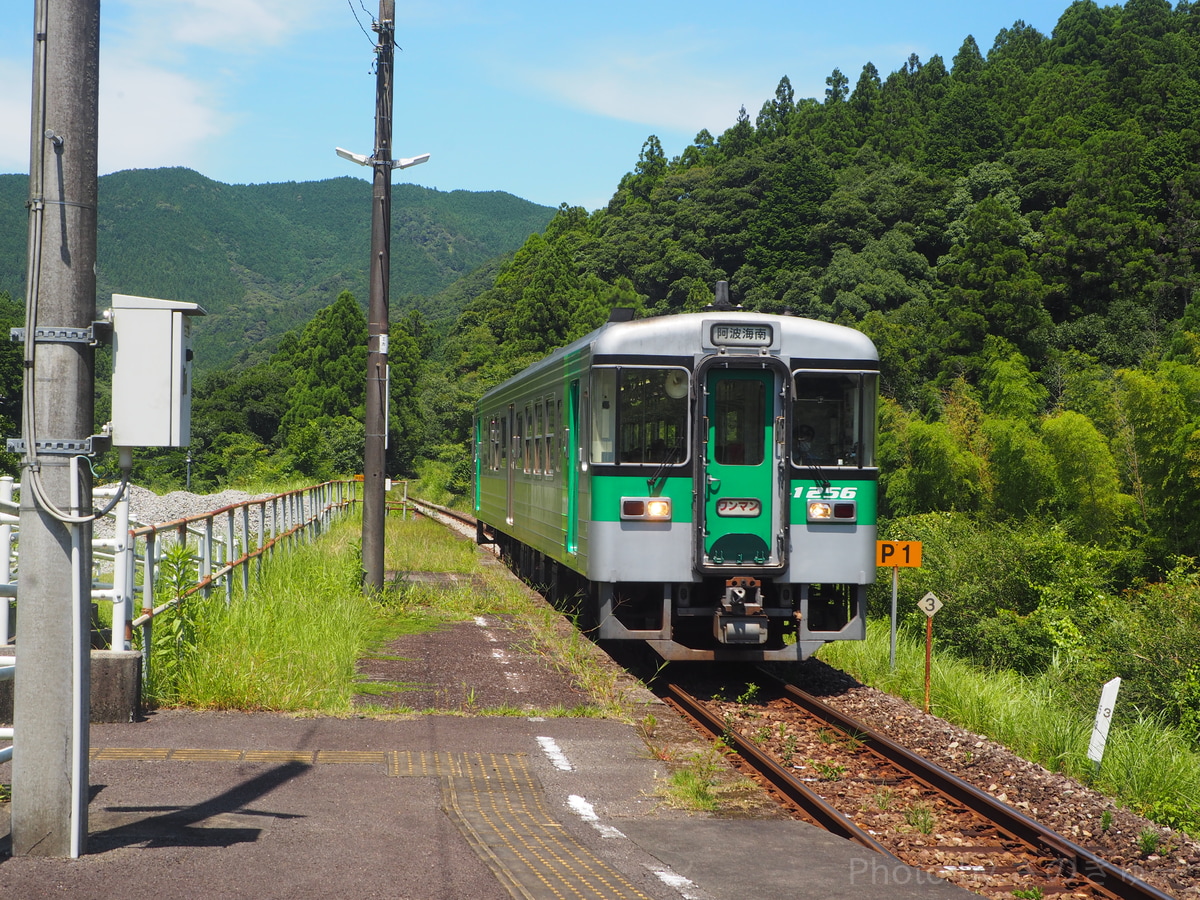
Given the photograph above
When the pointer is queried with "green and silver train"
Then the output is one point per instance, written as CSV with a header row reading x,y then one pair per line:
x,y
705,483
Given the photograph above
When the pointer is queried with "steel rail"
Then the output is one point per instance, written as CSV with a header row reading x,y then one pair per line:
x,y
794,790
462,517
1076,860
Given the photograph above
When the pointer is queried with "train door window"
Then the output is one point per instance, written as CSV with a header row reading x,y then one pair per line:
x,y
833,418
504,443
604,414
740,410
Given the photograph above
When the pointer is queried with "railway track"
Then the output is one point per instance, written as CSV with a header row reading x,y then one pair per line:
x,y
855,782
848,778
451,518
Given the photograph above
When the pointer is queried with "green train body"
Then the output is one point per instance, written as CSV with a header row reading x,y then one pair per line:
x,y
704,482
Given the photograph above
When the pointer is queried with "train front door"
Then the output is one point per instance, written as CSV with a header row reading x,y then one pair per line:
x,y
741,507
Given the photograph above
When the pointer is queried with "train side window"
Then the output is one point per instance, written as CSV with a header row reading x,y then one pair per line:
x,y
518,437
527,427
833,418
538,432
551,428
504,443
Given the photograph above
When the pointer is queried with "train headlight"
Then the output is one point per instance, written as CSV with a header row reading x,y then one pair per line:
x,y
832,511
658,508
646,509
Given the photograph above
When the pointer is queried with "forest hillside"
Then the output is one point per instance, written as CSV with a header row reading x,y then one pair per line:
x,y
262,257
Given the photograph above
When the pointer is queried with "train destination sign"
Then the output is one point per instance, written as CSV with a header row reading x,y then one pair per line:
x,y
731,334
902,554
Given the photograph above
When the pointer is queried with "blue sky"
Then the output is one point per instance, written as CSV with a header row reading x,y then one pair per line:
x,y
550,101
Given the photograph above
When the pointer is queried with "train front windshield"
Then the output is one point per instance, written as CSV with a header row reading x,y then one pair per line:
x,y
639,415
833,418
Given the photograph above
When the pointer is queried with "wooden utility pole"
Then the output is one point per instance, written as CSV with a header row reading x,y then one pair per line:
x,y
52,684
375,447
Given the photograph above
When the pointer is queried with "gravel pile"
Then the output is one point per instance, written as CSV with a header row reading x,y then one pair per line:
x,y
149,508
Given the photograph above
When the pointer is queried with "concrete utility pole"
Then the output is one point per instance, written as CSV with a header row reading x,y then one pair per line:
x,y
51,689
375,449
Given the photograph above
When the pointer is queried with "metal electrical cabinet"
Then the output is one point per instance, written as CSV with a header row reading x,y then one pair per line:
x,y
152,371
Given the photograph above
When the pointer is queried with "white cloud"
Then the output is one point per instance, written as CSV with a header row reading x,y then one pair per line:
x,y
239,26
679,88
151,117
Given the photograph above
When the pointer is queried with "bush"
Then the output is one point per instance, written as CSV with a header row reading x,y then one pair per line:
x,y
1012,592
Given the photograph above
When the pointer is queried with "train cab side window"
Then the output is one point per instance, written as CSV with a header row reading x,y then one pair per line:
x,y
833,419
604,414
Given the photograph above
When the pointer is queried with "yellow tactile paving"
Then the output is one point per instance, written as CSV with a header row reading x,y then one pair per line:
x,y
300,756
352,757
406,763
493,798
130,753
497,804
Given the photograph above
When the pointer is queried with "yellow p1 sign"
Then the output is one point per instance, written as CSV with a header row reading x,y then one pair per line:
x,y
897,555
903,554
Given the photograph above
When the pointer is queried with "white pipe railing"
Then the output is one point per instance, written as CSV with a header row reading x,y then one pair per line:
x,y
282,520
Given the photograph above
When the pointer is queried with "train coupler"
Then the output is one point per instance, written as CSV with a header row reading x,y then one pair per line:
x,y
740,618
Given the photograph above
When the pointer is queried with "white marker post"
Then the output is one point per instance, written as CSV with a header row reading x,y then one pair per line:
x,y
1108,702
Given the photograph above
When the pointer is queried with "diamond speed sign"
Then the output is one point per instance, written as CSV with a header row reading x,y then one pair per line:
x,y
929,604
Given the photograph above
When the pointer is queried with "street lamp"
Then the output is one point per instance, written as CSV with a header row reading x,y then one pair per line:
x,y
371,161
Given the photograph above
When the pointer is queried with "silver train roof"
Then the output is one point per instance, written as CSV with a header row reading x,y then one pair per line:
x,y
692,335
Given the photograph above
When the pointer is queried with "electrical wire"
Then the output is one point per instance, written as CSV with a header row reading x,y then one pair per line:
x,y
359,21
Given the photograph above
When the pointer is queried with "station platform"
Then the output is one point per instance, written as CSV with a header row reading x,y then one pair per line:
x,y
230,805
445,803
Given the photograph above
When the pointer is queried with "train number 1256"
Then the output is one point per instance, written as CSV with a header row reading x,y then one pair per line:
x,y
829,493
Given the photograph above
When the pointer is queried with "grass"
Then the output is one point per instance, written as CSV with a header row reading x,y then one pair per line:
x,y
1148,767
290,645
293,643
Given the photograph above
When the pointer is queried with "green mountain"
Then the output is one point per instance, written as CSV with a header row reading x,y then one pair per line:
x,y
262,259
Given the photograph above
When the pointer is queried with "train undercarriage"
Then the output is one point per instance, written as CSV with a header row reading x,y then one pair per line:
x,y
735,618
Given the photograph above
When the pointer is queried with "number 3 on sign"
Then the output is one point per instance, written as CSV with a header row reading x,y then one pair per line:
x,y
929,604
